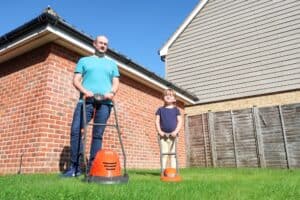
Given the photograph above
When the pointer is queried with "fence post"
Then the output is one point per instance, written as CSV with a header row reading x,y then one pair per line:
x,y
284,136
187,140
259,142
211,131
203,131
233,138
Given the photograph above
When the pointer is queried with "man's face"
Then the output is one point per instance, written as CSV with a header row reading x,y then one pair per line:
x,y
101,44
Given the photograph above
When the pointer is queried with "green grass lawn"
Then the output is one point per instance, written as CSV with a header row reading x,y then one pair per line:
x,y
198,183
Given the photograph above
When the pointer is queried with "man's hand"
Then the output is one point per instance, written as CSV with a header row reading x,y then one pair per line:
x,y
88,94
109,95
77,79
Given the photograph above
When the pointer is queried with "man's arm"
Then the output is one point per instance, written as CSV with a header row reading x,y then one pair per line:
x,y
77,78
115,85
114,89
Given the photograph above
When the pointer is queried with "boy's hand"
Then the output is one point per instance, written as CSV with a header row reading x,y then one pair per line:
x,y
162,134
173,134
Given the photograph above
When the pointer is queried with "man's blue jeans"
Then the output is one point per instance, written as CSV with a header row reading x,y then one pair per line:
x,y
101,116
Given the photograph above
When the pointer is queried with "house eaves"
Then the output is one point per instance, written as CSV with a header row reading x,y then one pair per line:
x,y
164,50
50,27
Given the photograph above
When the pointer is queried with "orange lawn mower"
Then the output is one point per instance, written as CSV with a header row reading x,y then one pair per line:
x,y
106,167
169,174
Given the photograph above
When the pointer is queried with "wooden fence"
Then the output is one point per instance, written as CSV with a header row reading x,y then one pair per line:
x,y
255,137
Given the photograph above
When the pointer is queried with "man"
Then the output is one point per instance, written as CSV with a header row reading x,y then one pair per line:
x,y
94,74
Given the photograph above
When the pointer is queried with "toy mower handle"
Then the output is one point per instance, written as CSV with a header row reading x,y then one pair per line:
x,y
168,135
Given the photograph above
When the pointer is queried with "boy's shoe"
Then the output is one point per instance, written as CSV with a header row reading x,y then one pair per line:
x,y
71,172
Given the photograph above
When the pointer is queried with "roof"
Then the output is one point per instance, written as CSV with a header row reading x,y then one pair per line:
x,y
50,27
164,50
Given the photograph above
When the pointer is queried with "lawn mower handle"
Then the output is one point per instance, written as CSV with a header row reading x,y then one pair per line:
x,y
97,99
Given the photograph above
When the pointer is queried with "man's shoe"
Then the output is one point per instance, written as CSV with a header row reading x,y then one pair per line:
x,y
72,172
78,172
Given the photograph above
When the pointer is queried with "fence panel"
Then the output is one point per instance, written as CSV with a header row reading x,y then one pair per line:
x,y
272,137
257,137
246,147
223,140
197,144
291,116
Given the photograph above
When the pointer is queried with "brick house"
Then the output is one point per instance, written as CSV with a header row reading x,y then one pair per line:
x,y
37,99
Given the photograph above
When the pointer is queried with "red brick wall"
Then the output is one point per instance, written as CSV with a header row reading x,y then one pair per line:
x,y
37,100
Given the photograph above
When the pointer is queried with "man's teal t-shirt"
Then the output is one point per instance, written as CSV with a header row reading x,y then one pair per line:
x,y
97,73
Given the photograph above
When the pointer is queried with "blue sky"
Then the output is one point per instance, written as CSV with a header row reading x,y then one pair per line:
x,y
135,28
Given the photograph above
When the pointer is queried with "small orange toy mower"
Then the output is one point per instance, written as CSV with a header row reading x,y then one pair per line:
x,y
106,167
169,174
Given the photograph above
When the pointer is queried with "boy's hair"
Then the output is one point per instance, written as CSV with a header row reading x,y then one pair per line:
x,y
168,91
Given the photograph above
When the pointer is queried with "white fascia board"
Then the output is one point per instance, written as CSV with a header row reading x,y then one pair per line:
x,y
164,50
70,39
27,38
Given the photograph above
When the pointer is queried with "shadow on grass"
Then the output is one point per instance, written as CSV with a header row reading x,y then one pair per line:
x,y
64,159
146,173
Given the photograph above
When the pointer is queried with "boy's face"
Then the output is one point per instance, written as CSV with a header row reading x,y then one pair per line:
x,y
169,98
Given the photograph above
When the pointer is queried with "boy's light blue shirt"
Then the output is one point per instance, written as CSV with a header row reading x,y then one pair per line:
x,y
97,73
